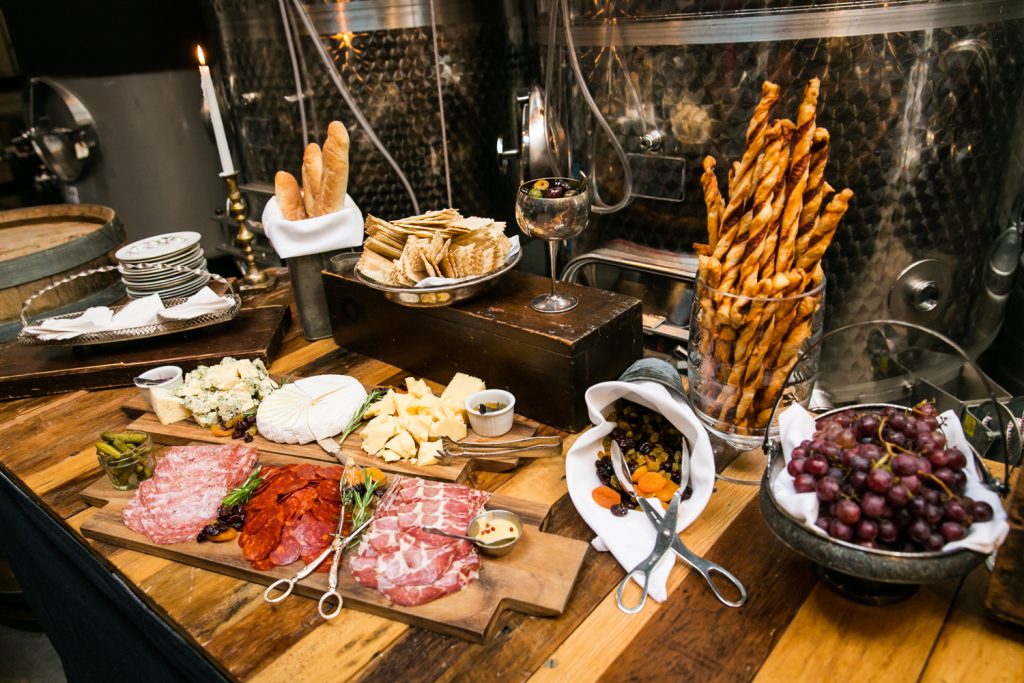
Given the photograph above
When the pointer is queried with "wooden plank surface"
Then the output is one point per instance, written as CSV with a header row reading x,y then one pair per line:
x,y
46,442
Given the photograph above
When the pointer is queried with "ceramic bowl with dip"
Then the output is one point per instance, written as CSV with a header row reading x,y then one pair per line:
x,y
491,412
495,531
166,377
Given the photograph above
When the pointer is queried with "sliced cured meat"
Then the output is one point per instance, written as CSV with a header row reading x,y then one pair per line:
x,y
293,517
185,490
412,566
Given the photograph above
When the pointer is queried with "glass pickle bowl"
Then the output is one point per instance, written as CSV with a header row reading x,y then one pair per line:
x,y
132,465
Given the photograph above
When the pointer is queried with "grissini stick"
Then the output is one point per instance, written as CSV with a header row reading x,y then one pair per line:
x,y
288,196
797,181
312,172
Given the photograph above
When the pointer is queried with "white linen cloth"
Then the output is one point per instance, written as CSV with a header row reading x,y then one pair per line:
x,y
138,313
796,425
631,538
330,232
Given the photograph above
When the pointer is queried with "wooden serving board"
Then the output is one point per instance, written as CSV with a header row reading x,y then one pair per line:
x,y
458,469
537,577
40,370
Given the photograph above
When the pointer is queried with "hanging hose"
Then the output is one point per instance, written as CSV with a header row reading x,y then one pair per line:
x,y
299,97
599,206
332,72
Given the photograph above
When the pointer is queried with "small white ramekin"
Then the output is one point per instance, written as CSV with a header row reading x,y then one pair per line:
x,y
491,424
173,381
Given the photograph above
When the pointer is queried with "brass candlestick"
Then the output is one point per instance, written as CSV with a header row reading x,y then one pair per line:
x,y
254,279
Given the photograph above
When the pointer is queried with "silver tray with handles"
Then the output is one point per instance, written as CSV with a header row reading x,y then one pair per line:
x,y
424,297
131,333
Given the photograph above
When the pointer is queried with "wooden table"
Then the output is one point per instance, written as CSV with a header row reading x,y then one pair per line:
x,y
792,626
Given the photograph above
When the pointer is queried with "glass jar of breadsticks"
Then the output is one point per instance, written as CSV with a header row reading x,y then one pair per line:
x,y
742,348
760,283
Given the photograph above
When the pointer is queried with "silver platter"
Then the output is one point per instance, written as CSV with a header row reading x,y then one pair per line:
x,y
424,297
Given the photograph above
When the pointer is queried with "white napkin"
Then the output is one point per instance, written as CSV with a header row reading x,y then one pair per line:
x,y
202,302
513,252
330,232
137,313
796,425
631,538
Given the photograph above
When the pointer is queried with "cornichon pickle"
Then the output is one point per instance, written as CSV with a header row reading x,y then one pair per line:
x,y
107,449
127,437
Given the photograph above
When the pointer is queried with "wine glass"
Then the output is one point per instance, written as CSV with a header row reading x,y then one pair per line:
x,y
553,209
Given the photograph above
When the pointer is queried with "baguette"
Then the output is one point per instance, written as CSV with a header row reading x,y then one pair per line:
x,y
312,172
288,196
335,170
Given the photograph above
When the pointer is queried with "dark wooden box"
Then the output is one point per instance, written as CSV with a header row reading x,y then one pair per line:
x,y
546,360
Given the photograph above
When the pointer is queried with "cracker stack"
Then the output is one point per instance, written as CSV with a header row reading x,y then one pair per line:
x,y
766,241
436,244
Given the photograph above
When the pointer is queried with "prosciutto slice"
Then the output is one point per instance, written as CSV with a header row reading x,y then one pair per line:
x,y
412,566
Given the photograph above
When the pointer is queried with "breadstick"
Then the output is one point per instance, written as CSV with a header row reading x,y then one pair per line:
x,y
817,189
797,180
766,262
335,174
825,229
756,130
288,196
712,199
312,172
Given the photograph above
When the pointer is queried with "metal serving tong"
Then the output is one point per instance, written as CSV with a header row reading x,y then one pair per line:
x,y
530,447
666,529
704,567
285,586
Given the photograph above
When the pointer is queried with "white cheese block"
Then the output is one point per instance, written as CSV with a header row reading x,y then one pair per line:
x,y
417,387
461,386
168,408
310,408
385,406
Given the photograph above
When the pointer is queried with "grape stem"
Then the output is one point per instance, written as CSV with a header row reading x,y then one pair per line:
x,y
938,481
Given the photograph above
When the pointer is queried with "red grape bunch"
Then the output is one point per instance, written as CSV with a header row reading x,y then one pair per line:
x,y
887,479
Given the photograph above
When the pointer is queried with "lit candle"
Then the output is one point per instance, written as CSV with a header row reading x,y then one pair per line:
x,y
210,95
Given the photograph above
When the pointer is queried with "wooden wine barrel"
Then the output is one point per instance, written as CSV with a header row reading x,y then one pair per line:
x,y
40,245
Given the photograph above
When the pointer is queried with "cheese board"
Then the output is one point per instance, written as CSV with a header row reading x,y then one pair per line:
x,y
457,470
537,578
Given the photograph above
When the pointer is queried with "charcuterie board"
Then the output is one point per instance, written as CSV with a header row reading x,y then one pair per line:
x,y
536,578
458,469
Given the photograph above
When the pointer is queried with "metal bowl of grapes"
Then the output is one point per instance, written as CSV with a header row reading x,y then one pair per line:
x,y
891,494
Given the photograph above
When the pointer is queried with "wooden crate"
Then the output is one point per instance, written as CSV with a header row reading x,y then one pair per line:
x,y
546,360
1005,596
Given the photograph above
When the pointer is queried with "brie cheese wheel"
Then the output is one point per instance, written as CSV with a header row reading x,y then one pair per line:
x,y
310,408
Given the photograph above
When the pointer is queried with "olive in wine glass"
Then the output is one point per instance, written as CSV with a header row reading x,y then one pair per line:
x,y
553,209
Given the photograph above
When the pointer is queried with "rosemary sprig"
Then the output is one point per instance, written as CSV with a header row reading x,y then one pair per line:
x,y
361,503
375,395
244,491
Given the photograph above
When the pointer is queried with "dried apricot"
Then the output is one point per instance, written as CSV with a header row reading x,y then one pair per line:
x,y
606,497
650,482
637,473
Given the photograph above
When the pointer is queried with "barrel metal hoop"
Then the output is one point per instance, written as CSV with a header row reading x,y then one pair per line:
x,y
792,25
62,257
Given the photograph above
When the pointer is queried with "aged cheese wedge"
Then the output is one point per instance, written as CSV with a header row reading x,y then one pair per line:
x,y
378,432
452,427
417,387
403,445
385,406
461,386
310,408
429,453
168,408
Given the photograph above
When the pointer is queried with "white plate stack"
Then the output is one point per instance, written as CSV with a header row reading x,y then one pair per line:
x,y
139,259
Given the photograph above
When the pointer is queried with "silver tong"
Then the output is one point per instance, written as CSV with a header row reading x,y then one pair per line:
x,y
530,447
705,568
